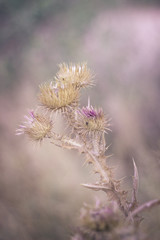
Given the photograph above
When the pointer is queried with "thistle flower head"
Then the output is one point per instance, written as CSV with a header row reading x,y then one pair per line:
x,y
99,218
36,127
89,119
56,97
78,75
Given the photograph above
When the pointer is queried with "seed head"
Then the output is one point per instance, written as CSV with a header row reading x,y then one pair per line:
x,y
78,75
36,127
56,97
90,120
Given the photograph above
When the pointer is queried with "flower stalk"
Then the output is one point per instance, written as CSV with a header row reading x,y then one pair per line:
x,y
87,128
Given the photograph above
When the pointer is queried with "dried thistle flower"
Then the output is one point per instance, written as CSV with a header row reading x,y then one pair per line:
x,y
99,222
90,120
89,126
36,127
78,75
99,217
55,97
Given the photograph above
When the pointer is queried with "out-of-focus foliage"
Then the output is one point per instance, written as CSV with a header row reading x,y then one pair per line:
x,y
40,185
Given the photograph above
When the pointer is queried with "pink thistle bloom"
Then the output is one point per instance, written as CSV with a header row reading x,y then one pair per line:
x,y
90,120
36,127
102,218
27,124
90,112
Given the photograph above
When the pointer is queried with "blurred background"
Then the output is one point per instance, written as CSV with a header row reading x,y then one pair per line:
x,y
40,192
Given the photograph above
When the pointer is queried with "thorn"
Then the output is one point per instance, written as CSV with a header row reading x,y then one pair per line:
x,y
90,186
57,145
108,156
135,187
96,187
89,102
122,179
108,146
84,164
135,177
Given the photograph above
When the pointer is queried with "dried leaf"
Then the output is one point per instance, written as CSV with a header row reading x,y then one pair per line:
x,y
96,187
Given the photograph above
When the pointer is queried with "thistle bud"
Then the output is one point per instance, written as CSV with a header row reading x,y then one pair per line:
x,y
55,97
36,127
78,75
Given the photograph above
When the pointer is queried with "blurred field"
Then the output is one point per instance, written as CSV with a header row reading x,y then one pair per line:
x,y
40,184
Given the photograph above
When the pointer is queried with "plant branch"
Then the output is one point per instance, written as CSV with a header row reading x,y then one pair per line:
x,y
145,206
98,165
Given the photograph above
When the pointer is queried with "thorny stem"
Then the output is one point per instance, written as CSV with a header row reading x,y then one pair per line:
x,y
95,141
145,206
96,145
122,208
103,148
65,142
78,146
98,166
103,173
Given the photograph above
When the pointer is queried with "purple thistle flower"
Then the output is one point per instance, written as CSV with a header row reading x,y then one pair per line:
x,y
36,126
89,120
90,112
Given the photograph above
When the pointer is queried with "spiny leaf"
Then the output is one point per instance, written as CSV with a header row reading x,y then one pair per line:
x,y
135,187
96,187
135,178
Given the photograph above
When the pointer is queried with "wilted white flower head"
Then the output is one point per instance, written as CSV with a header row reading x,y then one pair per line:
x,y
78,75
56,97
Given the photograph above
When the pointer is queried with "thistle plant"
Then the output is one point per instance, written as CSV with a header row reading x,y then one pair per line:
x,y
119,217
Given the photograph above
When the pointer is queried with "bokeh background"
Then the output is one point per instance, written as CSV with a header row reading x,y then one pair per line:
x,y
40,192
